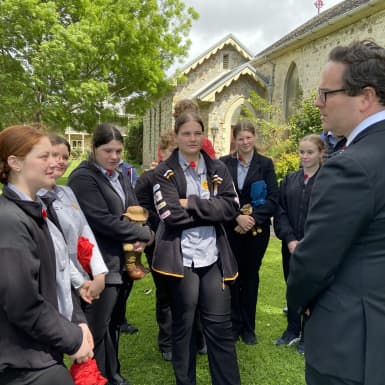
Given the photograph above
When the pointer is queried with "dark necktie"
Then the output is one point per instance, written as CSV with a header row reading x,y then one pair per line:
x,y
48,199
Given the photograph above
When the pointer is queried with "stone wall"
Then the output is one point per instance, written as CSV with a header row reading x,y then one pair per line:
x,y
309,53
225,111
159,118
311,57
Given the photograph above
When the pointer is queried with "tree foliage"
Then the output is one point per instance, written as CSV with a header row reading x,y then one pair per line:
x,y
307,120
279,140
272,134
66,62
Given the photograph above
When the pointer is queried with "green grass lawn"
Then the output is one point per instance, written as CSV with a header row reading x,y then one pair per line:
x,y
262,364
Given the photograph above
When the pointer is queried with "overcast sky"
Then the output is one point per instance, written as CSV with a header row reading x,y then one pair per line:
x,y
255,23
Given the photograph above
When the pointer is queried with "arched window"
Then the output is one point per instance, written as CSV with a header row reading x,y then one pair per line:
x,y
293,91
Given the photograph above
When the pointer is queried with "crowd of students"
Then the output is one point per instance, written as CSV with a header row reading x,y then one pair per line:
x,y
205,260
64,283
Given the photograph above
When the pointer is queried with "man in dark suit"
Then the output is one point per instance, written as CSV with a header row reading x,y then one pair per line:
x,y
340,281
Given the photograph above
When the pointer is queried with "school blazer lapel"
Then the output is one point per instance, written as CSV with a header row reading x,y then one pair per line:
x,y
233,168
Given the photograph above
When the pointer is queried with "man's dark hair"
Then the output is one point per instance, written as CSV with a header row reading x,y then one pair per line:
x,y
365,67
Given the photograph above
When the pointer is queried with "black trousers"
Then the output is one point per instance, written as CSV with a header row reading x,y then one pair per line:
x,y
104,317
121,303
164,315
56,374
249,251
313,377
162,308
293,317
101,324
201,288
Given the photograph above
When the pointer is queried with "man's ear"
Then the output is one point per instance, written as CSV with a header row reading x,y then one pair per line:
x,y
369,97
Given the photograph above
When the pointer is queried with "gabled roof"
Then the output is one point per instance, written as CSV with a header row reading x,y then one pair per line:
x,y
207,93
340,15
227,40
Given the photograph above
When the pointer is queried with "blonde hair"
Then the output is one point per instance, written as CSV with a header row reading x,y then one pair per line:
x,y
317,141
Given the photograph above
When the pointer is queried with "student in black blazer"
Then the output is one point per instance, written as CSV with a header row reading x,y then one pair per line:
x,y
337,271
256,184
289,220
104,194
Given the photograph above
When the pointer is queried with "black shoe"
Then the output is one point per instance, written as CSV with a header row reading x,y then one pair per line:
x,y
249,338
167,356
288,338
128,328
117,379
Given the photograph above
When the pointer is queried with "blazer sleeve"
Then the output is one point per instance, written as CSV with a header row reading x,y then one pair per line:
x,y
20,297
342,194
97,264
282,226
200,212
222,207
263,213
143,192
99,215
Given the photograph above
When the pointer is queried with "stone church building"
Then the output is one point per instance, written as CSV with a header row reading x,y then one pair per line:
x,y
221,79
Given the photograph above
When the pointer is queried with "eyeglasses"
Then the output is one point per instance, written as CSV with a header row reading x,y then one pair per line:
x,y
323,93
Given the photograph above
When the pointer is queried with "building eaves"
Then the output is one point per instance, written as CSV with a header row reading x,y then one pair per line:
x,y
345,10
208,92
228,39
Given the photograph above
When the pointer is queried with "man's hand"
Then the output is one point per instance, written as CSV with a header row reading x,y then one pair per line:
x,y
292,245
86,348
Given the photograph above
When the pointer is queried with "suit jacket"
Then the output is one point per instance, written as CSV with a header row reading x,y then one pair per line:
x,y
338,270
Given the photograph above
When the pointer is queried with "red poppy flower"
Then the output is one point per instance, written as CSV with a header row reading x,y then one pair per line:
x,y
44,213
87,373
85,253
